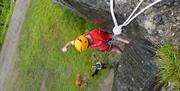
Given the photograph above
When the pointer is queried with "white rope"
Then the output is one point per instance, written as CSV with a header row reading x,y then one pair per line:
x,y
118,29
112,13
133,12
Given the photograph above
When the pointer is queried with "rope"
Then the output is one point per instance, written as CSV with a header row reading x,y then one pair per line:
x,y
118,29
112,13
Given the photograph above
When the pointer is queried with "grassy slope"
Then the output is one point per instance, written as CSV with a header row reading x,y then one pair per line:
x,y
46,29
5,15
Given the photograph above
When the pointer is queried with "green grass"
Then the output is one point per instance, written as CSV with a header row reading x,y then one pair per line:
x,y
169,63
46,29
6,10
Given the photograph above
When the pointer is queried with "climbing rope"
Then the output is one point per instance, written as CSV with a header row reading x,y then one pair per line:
x,y
118,28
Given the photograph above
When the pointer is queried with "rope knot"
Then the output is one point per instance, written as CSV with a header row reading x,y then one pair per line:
x,y
117,30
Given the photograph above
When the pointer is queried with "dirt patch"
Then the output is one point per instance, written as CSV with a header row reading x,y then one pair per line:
x,y
108,82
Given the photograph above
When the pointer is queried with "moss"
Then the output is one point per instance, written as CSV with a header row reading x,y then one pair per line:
x,y
169,64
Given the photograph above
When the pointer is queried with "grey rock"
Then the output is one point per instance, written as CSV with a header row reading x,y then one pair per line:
x,y
178,18
136,69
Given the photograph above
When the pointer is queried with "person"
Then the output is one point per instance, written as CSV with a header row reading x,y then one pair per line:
x,y
98,39
98,66
80,80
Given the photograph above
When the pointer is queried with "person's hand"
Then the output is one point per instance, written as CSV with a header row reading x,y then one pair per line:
x,y
64,49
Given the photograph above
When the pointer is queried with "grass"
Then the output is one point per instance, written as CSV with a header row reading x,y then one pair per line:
x,y
47,27
169,63
6,10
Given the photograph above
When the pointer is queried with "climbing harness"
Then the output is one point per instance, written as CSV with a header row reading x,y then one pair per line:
x,y
117,30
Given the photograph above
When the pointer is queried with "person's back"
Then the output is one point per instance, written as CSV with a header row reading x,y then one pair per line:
x,y
98,66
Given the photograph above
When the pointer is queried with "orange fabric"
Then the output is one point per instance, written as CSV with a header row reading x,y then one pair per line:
x,y
78,82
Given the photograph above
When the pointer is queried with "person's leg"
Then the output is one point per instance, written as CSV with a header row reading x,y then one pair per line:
x,y
120,39
103,65
95,73
116,49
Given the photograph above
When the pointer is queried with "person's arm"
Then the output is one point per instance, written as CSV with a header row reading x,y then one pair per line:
x,y
67,45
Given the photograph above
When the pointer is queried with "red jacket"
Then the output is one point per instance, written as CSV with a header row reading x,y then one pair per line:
x,y
99,40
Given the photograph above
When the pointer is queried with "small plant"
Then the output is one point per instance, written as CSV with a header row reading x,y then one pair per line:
x,y
169,64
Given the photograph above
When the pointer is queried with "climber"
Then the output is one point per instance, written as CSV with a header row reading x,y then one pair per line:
x,y
98,66
98,39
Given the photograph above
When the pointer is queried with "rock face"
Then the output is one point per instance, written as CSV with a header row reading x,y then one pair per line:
x,y
136,69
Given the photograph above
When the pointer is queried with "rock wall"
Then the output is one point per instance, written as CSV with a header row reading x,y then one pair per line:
x,y
136,69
